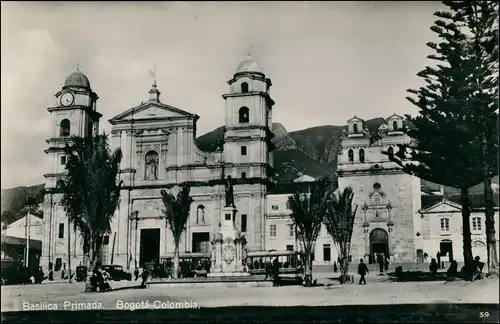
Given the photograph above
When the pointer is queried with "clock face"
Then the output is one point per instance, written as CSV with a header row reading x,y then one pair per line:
x,y
67,99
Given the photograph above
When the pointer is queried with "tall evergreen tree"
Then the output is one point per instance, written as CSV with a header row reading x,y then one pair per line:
x,y
480,20
445,149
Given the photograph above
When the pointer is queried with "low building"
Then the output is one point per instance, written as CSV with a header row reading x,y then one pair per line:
x,y
441,231
14,238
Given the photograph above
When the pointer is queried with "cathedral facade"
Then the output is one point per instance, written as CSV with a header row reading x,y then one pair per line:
x,y
159,152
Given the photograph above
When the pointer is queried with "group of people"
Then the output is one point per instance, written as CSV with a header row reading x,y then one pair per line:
x,y
100,280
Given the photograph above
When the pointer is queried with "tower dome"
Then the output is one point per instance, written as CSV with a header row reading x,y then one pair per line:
x,y
249,65
77,80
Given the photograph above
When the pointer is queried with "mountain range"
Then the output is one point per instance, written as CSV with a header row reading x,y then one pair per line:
x,y
312,151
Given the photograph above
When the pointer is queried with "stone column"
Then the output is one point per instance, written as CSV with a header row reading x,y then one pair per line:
x,y
218,252
366,230
390,226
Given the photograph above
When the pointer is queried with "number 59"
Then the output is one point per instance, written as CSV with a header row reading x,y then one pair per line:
x,y
484,314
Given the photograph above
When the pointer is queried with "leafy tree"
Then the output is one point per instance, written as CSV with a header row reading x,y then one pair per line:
x,y
339,221
91,190
445,150
480,20
177,214
308,211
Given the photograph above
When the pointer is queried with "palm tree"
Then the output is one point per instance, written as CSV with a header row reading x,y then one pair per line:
x,y
91,190
339,221
307,214
177,214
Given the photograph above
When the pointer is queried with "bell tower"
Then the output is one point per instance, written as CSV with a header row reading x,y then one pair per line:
x,y
248,157
74,114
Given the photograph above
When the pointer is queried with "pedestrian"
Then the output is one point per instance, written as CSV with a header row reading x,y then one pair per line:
x,y
386,263
380,261
144,276
362,271
136,273
438,258
433,267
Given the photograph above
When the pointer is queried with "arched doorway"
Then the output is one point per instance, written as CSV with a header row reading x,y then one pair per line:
x,y
479,249
420,256
379,243
446,249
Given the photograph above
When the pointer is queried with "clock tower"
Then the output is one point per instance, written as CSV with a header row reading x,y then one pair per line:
x,y
74,114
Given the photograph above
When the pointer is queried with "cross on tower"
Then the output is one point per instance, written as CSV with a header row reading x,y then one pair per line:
x,y
77,65
250,50
152,73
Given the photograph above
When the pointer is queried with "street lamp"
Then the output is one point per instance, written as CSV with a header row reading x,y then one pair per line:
x,y
30,202
135,217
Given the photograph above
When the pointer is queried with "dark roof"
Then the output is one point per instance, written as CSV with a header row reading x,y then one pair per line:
x,y
476,200
11,240
288,188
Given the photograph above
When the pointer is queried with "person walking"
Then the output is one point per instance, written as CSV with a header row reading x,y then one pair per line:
x,y
362,271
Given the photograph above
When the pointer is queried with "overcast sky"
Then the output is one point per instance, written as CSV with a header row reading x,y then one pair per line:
x,y
327,61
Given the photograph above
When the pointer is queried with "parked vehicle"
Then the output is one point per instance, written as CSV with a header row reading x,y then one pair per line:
x,y
81,273
117,273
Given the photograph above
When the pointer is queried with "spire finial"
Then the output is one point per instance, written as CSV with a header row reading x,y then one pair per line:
x,y
152,73
77,65
250,50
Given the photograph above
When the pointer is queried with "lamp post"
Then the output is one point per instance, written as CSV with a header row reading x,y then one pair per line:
x,y
135,217
390,224
30,201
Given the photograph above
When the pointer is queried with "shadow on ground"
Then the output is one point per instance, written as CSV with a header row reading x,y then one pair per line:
x,y
413,276
402,313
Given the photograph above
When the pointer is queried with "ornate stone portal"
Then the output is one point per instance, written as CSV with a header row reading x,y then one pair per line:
x,y
228,248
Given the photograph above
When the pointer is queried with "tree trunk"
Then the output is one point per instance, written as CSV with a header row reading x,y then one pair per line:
x,y
468,259
308,267
491,242
176,261
344,264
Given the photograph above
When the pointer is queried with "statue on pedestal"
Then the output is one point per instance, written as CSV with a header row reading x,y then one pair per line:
x,y
229,193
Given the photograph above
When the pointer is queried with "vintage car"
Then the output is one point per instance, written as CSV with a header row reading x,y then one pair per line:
x,y
117,273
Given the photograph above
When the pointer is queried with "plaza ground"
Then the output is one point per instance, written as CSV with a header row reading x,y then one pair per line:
x,y
402,302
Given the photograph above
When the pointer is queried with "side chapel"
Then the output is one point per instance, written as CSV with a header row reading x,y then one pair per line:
x,y
388,200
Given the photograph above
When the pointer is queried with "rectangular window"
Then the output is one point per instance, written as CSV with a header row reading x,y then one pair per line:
x,y
61,230
289,247
275,207
312,256
243,222
272,230
445,225
63,160
243,150
288,205
105,240
290,230
327,252
476,224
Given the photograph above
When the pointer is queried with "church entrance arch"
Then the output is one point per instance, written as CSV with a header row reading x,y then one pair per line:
x,y
379,243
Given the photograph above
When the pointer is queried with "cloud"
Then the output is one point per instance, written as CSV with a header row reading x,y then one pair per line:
x,y
327,61
28,70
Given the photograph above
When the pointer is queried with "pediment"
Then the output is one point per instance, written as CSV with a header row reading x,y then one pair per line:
x,y
354,120
444,206
394,116
150,110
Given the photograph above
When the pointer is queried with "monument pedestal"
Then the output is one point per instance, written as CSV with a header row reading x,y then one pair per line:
x,y
228,248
